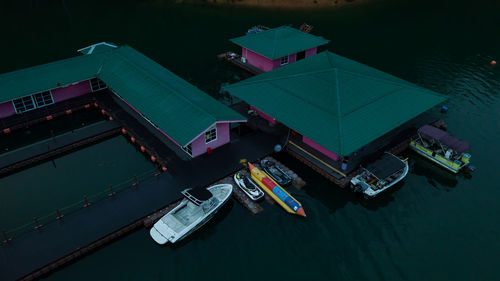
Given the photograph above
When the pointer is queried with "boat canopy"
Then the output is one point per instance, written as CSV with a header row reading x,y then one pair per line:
x,y
455,143
197,195
385,166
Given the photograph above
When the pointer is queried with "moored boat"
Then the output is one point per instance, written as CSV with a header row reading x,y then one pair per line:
x,y
248,186
441,148
276,173
198,207
276,192
380,175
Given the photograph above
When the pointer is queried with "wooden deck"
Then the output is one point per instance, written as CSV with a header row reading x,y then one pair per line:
x,y
236,59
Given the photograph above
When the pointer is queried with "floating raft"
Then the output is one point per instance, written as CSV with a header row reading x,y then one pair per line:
x,y
239,195
297,181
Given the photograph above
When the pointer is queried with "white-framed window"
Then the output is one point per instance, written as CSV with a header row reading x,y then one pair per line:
x,y
97,84
43,99
284,60
24,104
188,149
211,134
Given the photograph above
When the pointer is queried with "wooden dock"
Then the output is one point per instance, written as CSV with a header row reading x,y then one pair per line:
x,y
238,194
237,60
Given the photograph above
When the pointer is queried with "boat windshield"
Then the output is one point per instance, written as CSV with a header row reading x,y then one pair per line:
x,y
197,195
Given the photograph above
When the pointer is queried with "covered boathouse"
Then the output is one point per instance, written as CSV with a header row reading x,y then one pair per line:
x,y
334,107
190,118
276,47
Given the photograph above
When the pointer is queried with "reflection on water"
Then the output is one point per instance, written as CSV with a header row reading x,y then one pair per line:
x,y
436,176
433,226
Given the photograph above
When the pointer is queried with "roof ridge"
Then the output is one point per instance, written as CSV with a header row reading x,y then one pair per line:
x,y
339,114
375,100
275,40
243,83
300,98
165,84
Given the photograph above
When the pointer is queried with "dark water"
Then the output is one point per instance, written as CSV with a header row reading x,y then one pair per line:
x,y
435,226
62,182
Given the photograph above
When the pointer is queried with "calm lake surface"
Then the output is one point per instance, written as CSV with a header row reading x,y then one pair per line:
x,y
436,226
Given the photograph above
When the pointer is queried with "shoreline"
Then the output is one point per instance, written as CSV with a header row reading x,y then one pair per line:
x,y
279,4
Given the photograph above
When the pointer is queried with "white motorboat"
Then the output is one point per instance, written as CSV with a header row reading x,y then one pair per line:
x,y
198,206
248,186
380,175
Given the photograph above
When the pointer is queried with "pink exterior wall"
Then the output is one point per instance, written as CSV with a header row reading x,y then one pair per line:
x,y
266,64
311,52
321,149
198,146
71,91
291,58
263,115
257,60
7,109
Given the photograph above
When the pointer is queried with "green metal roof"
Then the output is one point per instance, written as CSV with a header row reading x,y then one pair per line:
x,y
279,42
48,76
175,106
337,102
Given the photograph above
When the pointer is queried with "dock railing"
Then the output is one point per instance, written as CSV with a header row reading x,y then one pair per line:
x,y
87,200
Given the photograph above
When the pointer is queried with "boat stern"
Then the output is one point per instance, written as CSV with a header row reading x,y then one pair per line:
x,y
156,235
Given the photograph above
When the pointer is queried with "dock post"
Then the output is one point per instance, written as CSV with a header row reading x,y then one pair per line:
x,y
135,181
111,192
86,201
6,238
59,215
37,224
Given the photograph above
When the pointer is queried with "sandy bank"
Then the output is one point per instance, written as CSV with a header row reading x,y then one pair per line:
x,y
285,4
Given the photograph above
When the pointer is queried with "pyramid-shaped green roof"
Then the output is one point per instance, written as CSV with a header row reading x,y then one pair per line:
x,y
279,42
337,102
172,104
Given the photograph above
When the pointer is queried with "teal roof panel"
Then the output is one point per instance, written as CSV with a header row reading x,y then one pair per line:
x,y
172,104
339,103
279,42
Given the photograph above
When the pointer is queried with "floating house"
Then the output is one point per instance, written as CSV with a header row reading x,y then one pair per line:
x,y
335,106
276,47
186,115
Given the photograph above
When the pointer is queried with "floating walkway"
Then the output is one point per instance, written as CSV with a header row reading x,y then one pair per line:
x,y
43,150
47,113
55,244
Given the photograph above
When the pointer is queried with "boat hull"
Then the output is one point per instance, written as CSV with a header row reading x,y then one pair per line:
x,y
241,184
281,178
371,193
173,237
285,200
427,154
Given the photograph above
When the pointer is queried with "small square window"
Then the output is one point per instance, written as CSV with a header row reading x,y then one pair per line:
x,y
284,60
211,134
23,104
43,99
